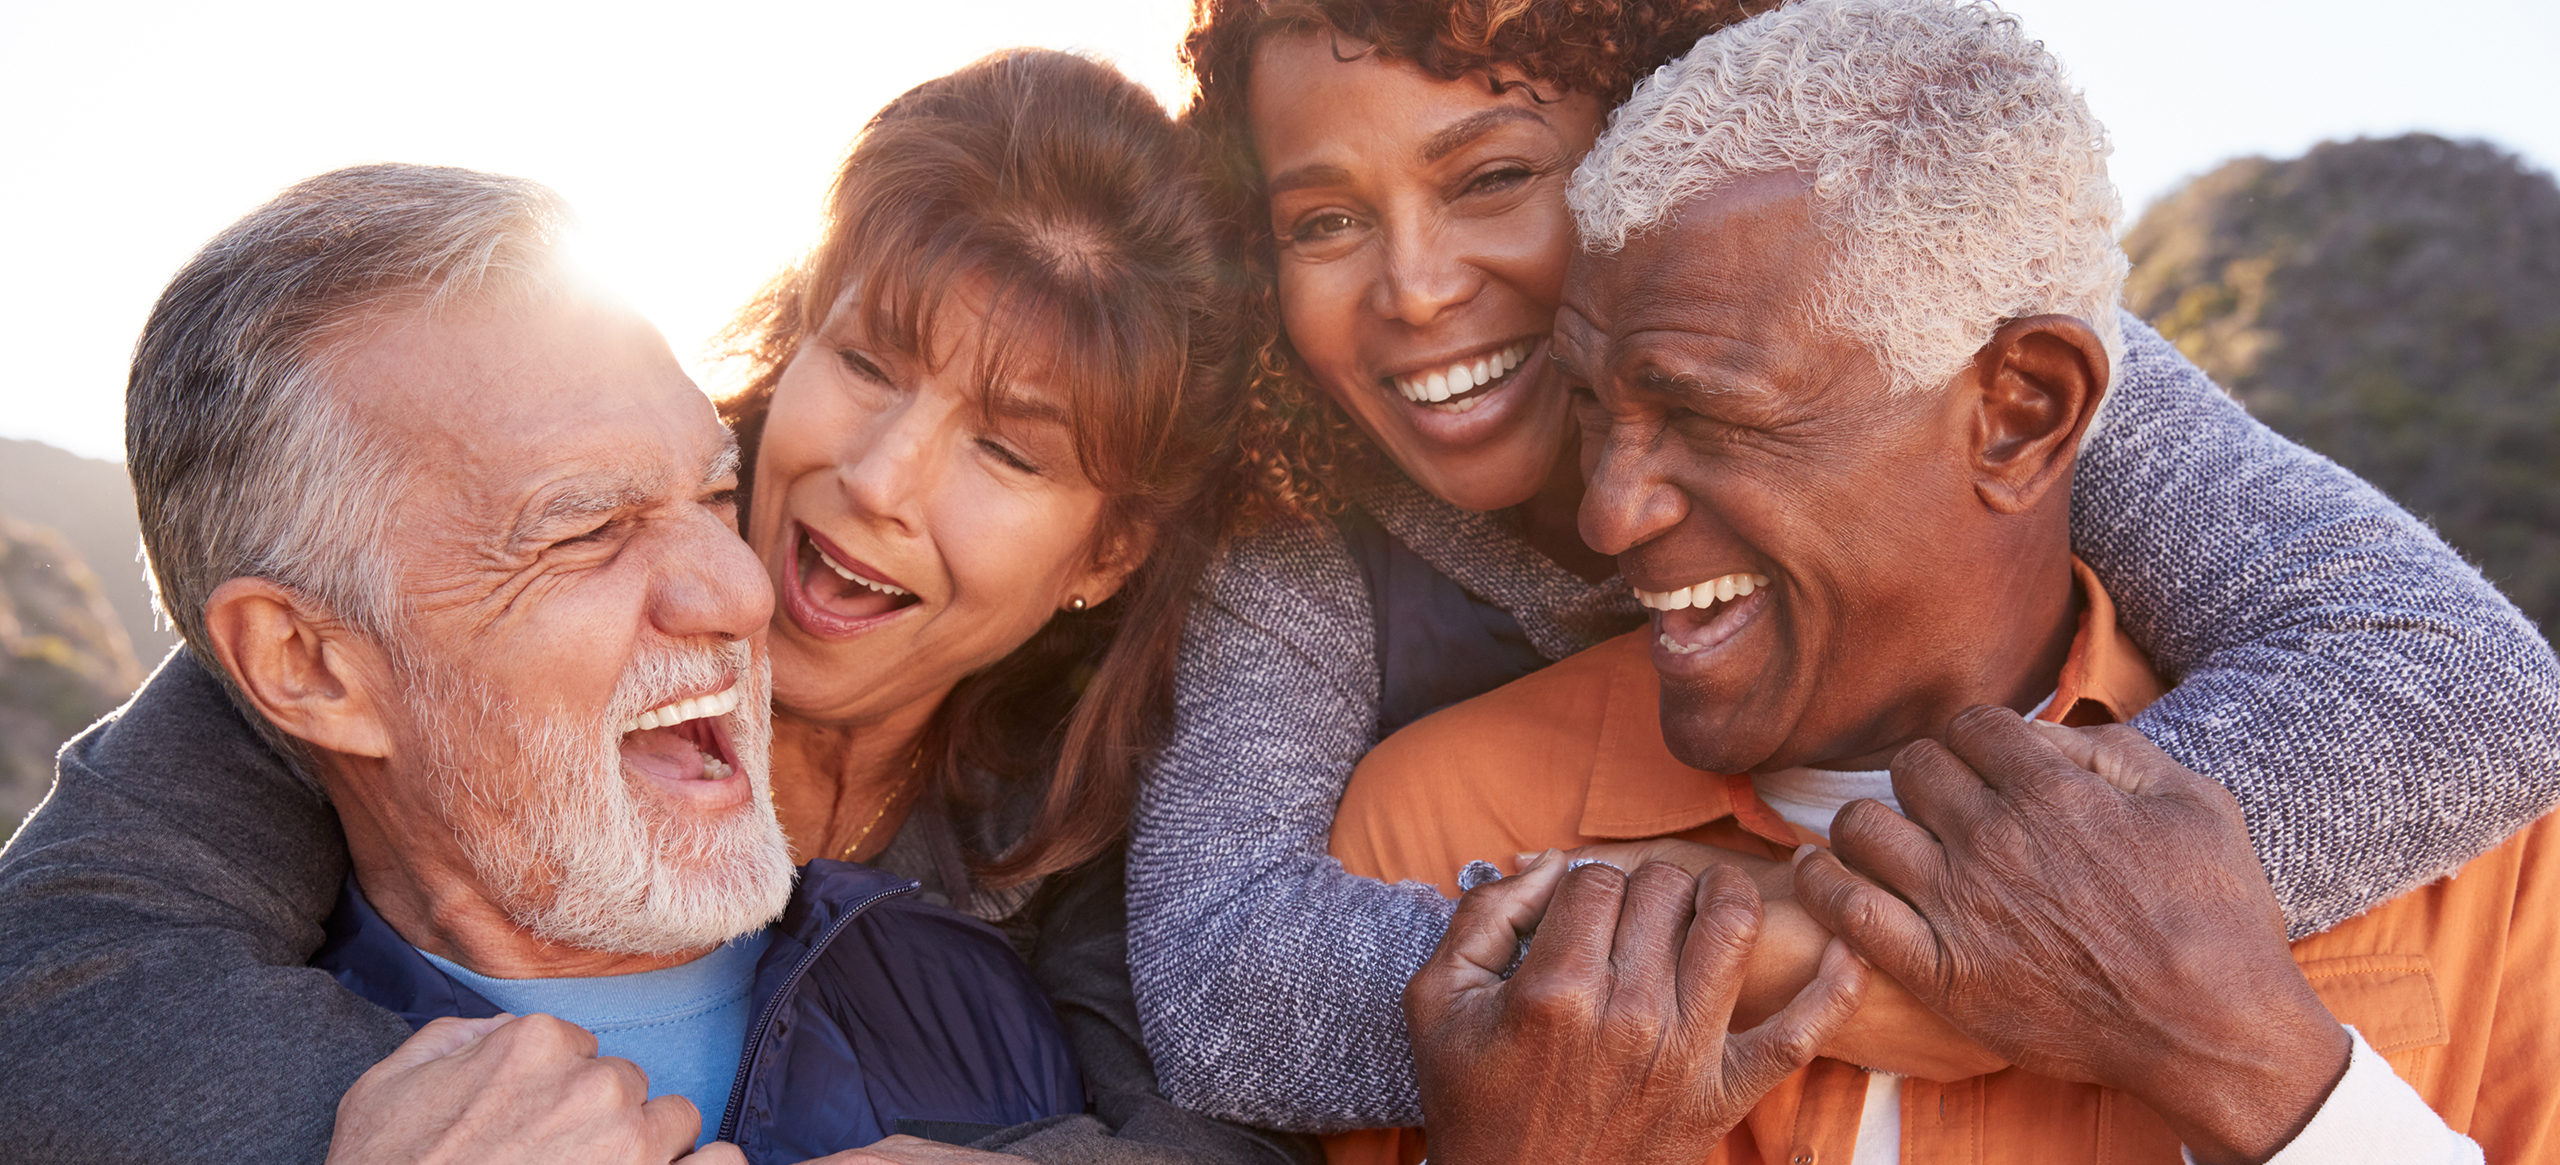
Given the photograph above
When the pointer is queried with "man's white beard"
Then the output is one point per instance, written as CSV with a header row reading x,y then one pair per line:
x,y
566,842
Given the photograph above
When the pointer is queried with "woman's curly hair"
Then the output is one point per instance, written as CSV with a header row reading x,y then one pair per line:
x,y
1300,453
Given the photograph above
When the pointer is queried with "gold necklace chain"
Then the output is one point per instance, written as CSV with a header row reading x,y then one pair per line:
x,y
915,760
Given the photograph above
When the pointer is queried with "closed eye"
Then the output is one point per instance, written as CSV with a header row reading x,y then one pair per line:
x,y
1501,179
601,532
1008,457
861,365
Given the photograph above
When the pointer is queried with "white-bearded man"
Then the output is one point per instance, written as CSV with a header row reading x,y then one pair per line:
x,y
458,534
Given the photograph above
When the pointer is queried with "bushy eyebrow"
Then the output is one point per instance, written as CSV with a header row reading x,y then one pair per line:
x,y
580,503
724,463
1022,407
1453,137
609,492
1304,177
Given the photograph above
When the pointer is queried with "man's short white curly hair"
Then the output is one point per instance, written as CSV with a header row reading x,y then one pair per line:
x,y
1950,159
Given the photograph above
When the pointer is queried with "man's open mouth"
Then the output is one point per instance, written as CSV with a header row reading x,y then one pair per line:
x,y
687,740
1690,619
1462,385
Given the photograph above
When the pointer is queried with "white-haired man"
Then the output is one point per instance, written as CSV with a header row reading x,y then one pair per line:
x,y
1846,313
458,534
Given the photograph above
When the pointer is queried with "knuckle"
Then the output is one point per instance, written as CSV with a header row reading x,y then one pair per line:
x,y
1659,885
1550,1003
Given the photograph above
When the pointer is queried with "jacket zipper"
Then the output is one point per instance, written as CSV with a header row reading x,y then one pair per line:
x,y
755,1044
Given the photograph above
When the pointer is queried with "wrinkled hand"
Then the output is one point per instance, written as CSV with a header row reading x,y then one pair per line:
x,y
914,1151
2091,910
1609,1042
1892,1031
528,1089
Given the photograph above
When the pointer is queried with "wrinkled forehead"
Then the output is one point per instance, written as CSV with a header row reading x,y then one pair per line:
x,y
491,406
1742,259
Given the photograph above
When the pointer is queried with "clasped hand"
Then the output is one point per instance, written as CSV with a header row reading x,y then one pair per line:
x,y
2089,910
1609,1041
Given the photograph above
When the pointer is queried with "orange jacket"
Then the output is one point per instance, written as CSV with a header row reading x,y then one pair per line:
x,y
2456,984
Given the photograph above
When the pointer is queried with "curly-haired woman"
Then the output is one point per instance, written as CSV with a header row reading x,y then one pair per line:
x,y
1397,169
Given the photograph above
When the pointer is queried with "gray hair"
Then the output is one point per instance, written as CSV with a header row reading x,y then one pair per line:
x,y
244,463
1959,173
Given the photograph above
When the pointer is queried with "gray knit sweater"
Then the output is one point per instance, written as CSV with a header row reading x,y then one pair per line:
x,y
2382,714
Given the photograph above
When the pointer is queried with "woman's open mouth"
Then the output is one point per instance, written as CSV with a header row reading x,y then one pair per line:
x,y
837,594
1463,384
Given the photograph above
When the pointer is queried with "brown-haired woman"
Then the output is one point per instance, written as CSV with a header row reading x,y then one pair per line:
x,y
987,423
1396,171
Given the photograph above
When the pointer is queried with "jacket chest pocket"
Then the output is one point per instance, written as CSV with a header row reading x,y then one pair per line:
x,y
2390,999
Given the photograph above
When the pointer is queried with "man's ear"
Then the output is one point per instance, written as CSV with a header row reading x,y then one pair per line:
x,y
307,672
1118,557
2039,382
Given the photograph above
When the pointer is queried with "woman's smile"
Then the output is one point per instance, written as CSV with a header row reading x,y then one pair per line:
x,y
837,595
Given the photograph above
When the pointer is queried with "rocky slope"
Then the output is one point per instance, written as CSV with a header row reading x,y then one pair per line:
x,y
64,659
2394,304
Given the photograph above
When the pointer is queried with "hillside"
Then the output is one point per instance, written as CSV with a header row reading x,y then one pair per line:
x,y
64,660
2394,304
90,503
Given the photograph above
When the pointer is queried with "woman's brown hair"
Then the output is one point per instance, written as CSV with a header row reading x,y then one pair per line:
x,y
1299,452
1069,193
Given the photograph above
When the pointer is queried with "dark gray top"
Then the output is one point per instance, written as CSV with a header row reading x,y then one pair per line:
x,y
156,913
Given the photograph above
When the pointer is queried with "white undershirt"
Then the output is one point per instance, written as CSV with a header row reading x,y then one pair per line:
x,y
1810,798
2370,1109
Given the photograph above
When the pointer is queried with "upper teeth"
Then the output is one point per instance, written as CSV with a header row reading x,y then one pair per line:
x,y
849,576
1462,377
719,703
1705,594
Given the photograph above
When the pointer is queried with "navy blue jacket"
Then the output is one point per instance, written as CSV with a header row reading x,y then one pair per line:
x,y
876,1014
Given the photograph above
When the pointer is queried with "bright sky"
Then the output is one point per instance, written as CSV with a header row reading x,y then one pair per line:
x,y
697,139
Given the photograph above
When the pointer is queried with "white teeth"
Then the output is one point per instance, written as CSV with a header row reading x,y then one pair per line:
x,y
719,703
1705,594
1676,647
714,768
849,576
1438,386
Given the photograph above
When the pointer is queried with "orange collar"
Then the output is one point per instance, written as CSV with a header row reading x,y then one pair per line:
x,y
1639,790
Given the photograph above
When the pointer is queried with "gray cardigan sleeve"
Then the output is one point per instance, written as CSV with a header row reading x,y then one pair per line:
x,y
1267,977
155,915
2381,712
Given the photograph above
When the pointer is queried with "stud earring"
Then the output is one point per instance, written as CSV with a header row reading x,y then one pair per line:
x,y
1076,603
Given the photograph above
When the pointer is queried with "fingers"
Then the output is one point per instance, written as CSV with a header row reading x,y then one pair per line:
x,y
670,1123
439,1039
1887,847
2072,743
1936,789
1878,927
1579,930
1723,927
1758,1059
715,1153
2007,755
1484,934
1653,925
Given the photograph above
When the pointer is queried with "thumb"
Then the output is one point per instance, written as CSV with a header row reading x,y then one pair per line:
x,y
1759,1059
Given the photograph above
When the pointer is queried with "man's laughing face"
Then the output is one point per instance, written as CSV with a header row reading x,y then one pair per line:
x,y
582,693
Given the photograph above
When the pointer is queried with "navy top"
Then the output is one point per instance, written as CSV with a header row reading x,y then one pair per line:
x,y
1438,642
875,1014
